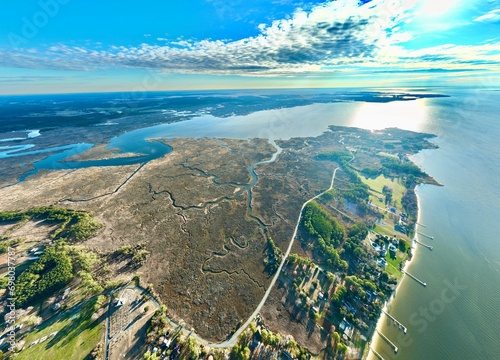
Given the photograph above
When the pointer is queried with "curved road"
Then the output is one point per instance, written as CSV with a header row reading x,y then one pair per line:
x,y
232,341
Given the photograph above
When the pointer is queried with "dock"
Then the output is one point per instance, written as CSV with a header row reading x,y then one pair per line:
x,y
388,341
424,245
427,236
377,354
415,278
401,326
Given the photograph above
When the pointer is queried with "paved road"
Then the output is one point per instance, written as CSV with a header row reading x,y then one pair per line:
x,y
232,341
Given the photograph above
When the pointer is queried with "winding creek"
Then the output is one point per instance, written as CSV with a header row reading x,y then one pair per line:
x,y
462,216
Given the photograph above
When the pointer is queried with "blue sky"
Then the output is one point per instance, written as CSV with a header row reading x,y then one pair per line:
x,y
52,46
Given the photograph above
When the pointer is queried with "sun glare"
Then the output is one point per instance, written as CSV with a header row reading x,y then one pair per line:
x,y
409,115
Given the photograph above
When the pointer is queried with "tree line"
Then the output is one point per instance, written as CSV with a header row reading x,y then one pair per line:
x,y
329,234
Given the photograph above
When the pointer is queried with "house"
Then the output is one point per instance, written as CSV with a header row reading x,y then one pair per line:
x,y
166,343
371,296
393,249
347,328
257,339
66,293
401,228
350,308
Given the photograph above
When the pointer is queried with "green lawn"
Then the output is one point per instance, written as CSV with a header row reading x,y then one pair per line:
x,y
392,267
378,184
393,270
375,198
77,336
387,230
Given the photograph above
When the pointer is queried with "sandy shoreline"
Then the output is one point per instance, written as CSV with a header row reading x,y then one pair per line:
x,y
375,337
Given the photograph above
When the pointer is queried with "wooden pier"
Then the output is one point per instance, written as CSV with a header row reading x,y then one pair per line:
x,y
427,236
388,341
377,354
424,245
401,326
415,278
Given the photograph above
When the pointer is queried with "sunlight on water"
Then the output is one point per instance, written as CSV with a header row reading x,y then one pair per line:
x,y
409,115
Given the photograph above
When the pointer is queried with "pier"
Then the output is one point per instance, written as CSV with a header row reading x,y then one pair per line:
x,y
424,245
401,326
415,278
427,236
388,341
377,354
419,224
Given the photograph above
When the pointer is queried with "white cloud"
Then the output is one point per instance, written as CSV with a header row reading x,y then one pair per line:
x,y
330,37
492,16
336,32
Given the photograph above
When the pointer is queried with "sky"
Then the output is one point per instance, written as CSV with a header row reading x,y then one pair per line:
x,y
64,46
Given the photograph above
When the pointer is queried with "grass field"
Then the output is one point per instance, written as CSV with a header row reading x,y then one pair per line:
x,y
387,230
378,184
392,267
77,335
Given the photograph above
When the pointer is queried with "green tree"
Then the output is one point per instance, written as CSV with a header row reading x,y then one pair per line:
x,y
52,271
342,348
149,356
240,352
335,341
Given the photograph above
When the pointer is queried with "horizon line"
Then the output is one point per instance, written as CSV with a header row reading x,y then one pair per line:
x,y
408,88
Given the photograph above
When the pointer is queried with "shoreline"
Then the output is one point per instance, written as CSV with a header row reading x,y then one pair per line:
x,y
374,340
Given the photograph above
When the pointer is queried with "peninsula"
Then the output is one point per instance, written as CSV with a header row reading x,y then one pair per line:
x,y
222,247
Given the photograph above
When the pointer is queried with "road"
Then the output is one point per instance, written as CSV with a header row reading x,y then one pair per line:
x,y
233,339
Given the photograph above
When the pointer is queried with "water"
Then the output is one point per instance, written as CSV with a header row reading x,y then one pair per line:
x,y
456,316
68,120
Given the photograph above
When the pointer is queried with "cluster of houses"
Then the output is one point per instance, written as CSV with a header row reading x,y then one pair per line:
x,y
402,225
382,252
